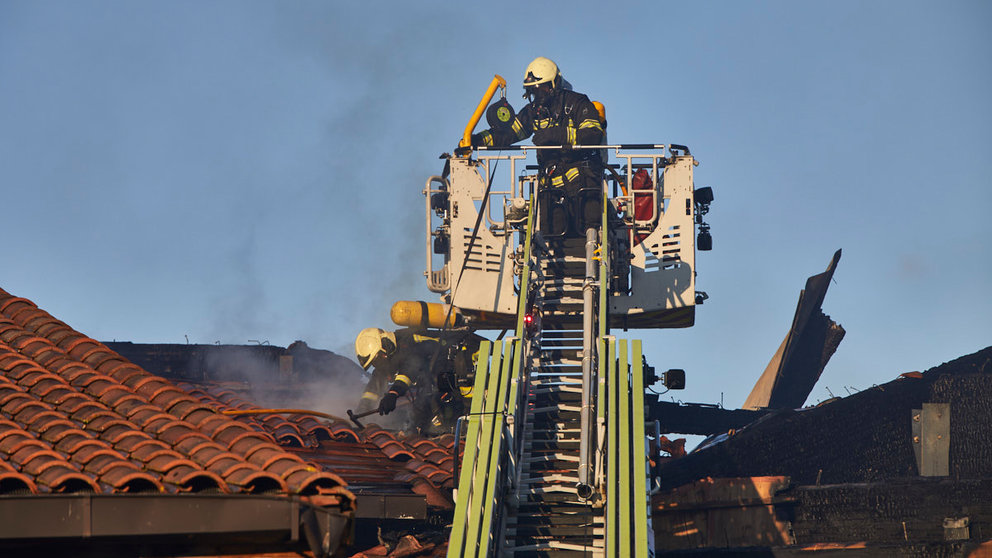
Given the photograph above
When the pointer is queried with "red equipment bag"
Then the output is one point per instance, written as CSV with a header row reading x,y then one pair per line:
x,y
643,203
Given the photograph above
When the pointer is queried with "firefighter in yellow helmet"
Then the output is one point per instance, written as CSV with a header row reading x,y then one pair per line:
x,y
556,115
429,367
400,361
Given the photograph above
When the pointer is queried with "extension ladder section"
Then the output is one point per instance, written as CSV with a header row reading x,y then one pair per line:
x,y
545,515
524,489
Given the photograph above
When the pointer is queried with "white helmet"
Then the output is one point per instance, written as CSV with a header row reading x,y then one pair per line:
x,y
541,70
370,342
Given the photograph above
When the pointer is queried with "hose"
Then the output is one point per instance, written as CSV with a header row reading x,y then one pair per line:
x,y
238,413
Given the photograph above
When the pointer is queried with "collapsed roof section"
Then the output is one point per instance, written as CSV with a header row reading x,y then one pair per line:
x,y
787,380
803,354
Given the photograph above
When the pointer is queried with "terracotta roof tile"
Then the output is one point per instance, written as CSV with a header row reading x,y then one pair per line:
x,y
193,445
72,441
224,463
137,410
125,479
195,414
257,481
85,451
48,384
193,479
147,449
76,416
311,427
12,482
433,454
54,430
103,460
164,461
132,441
435,496
20,368
344,431
395,450
61,478
58,334
116,433
288,436
14,440
312,481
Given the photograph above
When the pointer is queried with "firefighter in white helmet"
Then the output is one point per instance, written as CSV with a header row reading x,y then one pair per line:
x,y
556,115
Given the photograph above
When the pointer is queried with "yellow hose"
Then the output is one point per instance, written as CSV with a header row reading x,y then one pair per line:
x,y
496,83
238,413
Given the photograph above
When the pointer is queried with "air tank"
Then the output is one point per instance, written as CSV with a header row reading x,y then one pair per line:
x,y
416,313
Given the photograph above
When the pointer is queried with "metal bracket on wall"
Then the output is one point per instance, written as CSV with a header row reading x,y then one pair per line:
x,y
956,529
931,427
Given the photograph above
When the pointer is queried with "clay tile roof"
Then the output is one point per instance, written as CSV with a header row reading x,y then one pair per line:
x,y
76,416
370,457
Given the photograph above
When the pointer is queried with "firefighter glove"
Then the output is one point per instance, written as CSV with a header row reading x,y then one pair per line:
x,y
388,403
554,135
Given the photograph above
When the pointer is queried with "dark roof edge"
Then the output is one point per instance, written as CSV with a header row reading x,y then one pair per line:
x,y
174,521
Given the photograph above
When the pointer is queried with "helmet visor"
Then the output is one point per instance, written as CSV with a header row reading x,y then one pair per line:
x,y
367,360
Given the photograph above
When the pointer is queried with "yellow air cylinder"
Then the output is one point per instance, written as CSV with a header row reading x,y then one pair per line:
x,y
416,313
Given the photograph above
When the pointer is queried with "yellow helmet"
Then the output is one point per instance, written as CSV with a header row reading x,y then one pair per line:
x,y
372,341
541,70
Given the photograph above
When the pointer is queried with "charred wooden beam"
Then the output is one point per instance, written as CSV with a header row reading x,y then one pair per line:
x,y
699,418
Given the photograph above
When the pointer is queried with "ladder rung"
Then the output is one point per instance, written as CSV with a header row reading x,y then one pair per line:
x,y
565,408
553,457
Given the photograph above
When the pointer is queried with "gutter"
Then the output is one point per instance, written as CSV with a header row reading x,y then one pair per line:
x,y
169,524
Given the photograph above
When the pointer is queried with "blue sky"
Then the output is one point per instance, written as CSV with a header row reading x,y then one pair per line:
x,y
235,171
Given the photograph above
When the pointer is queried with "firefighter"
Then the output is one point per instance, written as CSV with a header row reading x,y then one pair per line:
x,y
556,115
428,367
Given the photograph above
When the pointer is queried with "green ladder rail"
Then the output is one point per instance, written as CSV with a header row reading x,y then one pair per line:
x,y
627,527
489,441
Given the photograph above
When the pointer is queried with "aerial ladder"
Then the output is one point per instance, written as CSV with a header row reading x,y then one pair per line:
x,y
555,450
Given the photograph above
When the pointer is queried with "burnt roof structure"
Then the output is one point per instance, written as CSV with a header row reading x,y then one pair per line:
x,y
900,469
865,437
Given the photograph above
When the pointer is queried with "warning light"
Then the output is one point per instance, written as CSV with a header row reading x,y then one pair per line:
x,y
528,319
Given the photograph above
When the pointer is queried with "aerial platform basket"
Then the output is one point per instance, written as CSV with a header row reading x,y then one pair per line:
x,y
474,240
